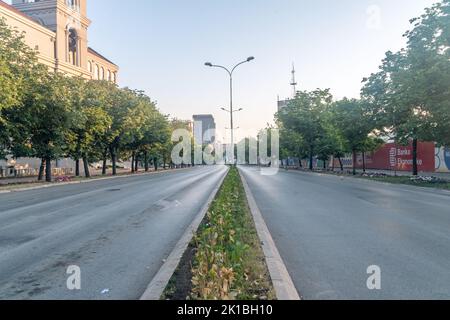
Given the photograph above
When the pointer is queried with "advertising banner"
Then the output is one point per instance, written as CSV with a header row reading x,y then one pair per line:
x,y
393,156
442,160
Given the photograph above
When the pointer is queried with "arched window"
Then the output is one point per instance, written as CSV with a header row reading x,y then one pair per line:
x,y
73,46
90,67
102,74
96,72
114,77
108,75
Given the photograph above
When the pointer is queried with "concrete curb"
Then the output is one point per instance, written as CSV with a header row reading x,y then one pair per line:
x,y
56,184
159,282
282,282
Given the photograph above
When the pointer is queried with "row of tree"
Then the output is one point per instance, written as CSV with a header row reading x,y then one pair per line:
x,y
408,100
49,116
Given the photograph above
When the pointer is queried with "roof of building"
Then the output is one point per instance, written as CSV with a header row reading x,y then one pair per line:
x,y
95,53
203,116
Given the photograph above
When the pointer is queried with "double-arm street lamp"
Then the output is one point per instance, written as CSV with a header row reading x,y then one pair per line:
x,y
231,111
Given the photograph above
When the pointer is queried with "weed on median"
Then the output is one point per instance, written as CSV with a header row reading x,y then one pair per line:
x,y
225,260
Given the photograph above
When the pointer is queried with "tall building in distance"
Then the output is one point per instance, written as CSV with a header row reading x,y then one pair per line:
x,y
58,31
204,129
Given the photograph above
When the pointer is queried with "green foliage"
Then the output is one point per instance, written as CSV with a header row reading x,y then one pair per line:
x,y
49,116
228,263
408,99
19,73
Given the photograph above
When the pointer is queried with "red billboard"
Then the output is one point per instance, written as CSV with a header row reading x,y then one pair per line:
x,y
397,157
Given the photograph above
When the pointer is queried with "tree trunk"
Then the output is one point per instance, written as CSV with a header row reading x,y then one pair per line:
x,y
311,156
324,164
341,164
415,166
354,162
132,162
41,170
136,163
364,161
113,160
146,161
48,169
77,167
104,161
87,174
155,163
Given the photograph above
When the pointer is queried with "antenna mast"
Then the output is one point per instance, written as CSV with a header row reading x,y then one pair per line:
x,y
293,81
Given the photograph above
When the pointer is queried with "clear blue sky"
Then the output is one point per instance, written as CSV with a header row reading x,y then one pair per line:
x,y
161,46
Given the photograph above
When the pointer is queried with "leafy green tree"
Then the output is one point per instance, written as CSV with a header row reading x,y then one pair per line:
x,y
354,123
44,119
305,116
410,96
154,130
292,145
428,52
19,73
89,122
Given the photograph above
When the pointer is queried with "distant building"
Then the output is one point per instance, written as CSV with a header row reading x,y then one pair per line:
x,y
283,104
204,129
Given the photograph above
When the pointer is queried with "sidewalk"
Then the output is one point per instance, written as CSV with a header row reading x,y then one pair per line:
x,y
94,174
440,175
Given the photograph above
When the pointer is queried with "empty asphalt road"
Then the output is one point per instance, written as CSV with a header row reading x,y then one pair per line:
x,y
117,231
330,230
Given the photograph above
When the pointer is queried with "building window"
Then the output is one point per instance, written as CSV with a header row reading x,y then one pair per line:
x,y
96,72
90,67
109,75
102,74
73,4
73,47
114,77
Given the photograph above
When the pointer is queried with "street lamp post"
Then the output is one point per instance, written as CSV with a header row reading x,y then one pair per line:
x,y
231,111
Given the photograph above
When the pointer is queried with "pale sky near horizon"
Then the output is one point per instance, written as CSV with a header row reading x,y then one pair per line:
x,y
161,47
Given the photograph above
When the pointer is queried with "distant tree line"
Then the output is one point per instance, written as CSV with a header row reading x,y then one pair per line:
x,y
408,100
50,116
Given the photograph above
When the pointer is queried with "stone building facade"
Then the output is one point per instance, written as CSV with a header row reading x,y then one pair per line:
x,y
58,30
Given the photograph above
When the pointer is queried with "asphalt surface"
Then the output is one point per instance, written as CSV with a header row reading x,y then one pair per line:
x,y
329,230
117,231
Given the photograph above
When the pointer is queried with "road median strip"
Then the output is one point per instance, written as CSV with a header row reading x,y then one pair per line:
x,y
224,259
